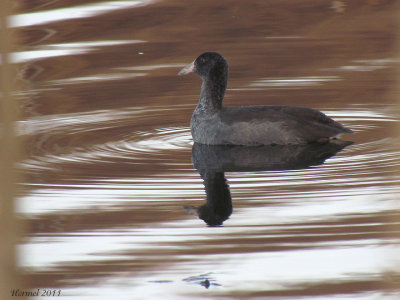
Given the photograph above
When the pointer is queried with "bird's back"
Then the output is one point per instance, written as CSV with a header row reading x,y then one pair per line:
x,y
264,125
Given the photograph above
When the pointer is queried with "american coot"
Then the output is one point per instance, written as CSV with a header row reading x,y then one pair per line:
x,y
214,124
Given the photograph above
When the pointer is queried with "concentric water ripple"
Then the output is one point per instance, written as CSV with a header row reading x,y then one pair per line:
x,y
131,145
82,135
363,166
130,150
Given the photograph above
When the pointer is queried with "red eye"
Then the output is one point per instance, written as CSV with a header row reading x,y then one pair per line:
x,y
202,60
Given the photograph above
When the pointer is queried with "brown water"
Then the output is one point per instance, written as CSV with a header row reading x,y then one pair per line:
x,y
110,193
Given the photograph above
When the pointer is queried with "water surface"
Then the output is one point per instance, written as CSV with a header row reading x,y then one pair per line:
x,y
111,196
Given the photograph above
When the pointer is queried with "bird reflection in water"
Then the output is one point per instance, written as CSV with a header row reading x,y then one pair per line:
x,y
213,161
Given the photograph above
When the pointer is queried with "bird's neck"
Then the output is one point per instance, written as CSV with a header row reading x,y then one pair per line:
x,y
212,94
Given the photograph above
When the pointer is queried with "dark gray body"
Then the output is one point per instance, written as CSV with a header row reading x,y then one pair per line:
x,y
262,125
